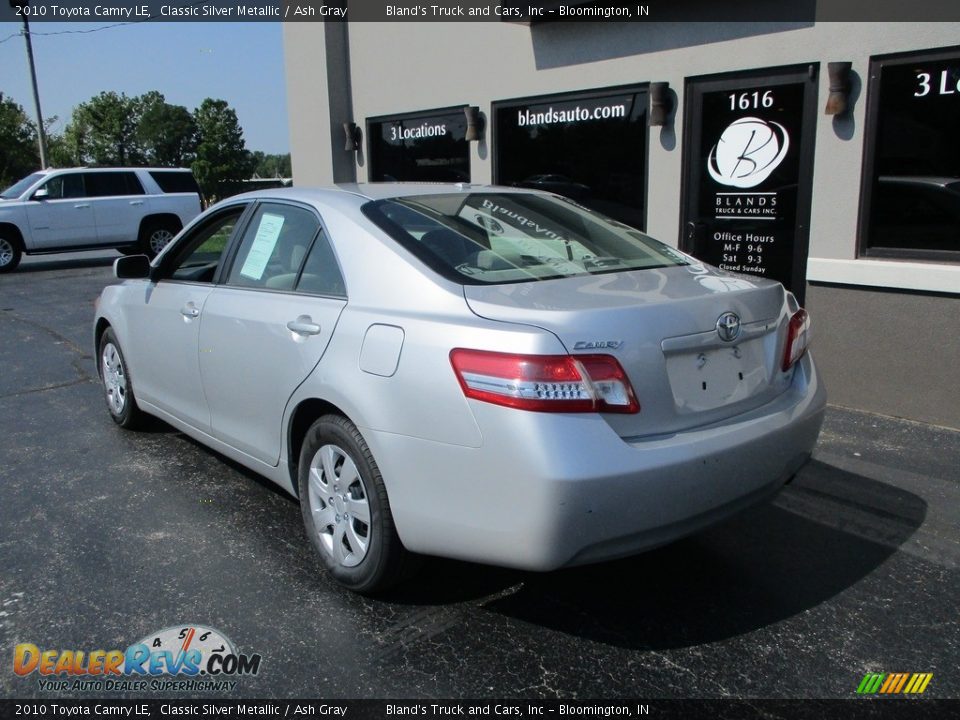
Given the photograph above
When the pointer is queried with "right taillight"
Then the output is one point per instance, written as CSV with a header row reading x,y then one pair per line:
x,y
545,383
798,338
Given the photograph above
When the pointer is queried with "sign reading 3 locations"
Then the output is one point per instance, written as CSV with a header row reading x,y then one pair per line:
x,y
429,146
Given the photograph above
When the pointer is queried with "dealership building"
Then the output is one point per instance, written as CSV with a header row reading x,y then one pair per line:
x,y
825,155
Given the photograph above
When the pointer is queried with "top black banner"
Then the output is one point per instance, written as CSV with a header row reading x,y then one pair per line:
x,y
529,12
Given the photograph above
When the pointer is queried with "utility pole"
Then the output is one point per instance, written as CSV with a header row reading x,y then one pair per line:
x,y
41,135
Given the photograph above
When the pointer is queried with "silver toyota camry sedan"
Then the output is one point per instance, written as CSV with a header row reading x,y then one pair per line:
x,y
492,374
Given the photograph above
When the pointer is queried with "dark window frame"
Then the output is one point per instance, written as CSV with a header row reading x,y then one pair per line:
x,y
870,140
572,95
403,117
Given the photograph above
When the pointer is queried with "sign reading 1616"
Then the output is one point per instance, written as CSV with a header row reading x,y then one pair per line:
x,y
946,83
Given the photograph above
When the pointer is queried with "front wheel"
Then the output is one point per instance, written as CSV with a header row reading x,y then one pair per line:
x,y
346,510
10,254
117,387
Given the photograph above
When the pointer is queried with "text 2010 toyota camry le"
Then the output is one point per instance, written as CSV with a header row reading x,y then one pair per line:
x,y
491,374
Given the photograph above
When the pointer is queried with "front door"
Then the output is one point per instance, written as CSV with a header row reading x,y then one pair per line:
x,y
748,172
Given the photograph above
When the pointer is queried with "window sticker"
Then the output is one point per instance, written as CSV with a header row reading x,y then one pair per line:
x,y
262,248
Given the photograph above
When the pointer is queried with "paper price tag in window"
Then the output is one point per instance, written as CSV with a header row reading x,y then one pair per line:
x,y
263,245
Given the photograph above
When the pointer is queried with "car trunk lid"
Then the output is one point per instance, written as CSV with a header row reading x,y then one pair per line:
x,y
662,326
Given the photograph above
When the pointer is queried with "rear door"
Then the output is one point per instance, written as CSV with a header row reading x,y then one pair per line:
x,y
267,326
119,203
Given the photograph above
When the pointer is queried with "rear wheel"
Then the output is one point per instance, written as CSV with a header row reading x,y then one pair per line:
x,y
10,254
117,386
155,235
346,510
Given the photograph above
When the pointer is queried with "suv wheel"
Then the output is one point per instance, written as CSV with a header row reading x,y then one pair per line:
x,y
155,235
10,254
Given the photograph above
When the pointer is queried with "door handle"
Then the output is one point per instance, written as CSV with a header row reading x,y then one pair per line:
x,y
303,325
136,202
190,311
82,205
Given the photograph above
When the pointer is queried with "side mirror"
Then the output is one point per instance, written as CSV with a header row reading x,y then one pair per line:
x,y
131,267
41,194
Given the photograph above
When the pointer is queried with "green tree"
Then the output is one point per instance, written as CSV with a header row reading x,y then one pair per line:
x,y
18,143
222,159
103,131
271,166
167,133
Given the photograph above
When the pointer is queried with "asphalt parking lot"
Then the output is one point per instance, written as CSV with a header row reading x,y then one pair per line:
x,y
107,536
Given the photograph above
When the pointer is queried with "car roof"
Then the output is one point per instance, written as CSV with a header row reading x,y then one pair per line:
x,y
84,168
372,191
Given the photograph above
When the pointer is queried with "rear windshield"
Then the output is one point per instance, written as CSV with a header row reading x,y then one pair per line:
x,y
175,181
496,238
18,188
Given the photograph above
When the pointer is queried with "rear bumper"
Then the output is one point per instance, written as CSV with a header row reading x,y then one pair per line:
x,y
545,491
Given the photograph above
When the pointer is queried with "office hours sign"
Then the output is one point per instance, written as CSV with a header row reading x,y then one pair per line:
x,y
748,174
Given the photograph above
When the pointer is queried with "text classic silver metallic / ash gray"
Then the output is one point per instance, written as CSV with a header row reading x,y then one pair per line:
x,y
492,374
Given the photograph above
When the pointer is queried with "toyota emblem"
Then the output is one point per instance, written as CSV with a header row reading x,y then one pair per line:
x,y
728,326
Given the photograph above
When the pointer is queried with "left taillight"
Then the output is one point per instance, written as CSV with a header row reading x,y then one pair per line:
x,y
545,383
798,338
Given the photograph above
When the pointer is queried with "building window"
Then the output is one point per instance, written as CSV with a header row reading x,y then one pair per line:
x,y
590,147
911,201
427,146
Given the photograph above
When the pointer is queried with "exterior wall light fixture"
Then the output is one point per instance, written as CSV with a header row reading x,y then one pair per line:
x,y
661,103
839,73
474,123
354,136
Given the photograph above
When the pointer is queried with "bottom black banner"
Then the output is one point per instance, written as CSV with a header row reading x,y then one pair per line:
x,y
514,709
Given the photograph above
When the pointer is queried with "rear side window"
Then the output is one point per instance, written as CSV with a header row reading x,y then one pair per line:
x,y
321,275
274,246
111,184
175,181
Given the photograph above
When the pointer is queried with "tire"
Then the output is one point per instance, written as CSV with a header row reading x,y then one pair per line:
x,y
155,235
346,511
10,254
117,384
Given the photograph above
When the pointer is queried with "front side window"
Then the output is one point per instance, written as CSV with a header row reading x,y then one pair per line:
x,y
63,187
273,247
493,238
198,255
912,184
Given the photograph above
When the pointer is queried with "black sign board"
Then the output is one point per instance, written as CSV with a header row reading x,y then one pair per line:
x,y
419,147
911,203
588,146
748,176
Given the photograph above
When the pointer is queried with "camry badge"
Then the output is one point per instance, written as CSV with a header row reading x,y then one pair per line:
x,y
728,326
597,344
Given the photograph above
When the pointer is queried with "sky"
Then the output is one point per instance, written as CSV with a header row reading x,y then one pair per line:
x,y
241,63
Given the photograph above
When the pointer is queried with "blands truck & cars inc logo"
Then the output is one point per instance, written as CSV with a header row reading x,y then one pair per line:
x,y
188,658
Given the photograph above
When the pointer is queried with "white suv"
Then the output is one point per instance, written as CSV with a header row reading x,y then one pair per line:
x,y
135,210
